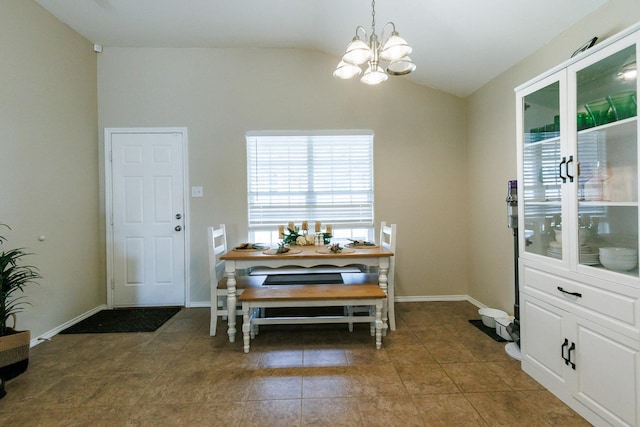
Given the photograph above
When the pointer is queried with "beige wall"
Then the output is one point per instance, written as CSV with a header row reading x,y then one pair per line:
x,y
220,94
491,152
49,160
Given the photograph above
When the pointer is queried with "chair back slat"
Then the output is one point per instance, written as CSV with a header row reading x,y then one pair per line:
x,y
388,236
217,245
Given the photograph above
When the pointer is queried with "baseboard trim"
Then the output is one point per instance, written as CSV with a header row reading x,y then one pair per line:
x,y
200,304
47,335
207,304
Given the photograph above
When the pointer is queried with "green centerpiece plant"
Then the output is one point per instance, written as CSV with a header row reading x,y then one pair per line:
x,y
296,236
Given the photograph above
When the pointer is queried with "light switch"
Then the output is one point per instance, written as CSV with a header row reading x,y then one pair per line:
x,y
197,192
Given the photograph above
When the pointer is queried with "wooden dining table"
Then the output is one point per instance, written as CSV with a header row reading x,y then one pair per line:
x,y
303,256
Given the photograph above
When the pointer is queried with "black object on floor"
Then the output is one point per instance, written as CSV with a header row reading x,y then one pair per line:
x,y
3,393
489,331
304,279
123,320
11,371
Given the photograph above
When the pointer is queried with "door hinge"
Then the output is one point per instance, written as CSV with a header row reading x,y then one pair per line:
x,y
113,284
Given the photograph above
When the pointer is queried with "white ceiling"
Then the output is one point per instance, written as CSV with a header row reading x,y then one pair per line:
x,y
458,45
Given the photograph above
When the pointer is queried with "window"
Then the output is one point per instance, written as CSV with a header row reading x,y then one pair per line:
x,y
310,176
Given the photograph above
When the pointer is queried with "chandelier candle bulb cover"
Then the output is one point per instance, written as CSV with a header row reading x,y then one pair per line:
x,y
317,229
394,49
280,231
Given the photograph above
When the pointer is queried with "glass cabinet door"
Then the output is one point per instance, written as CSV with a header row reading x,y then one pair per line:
x,y
541,191
607,152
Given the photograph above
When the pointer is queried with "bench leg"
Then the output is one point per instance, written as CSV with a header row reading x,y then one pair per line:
x,y
246,326
348,311
373,324
379,324
254,328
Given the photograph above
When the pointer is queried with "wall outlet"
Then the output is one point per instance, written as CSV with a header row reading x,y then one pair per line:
x,y
197,192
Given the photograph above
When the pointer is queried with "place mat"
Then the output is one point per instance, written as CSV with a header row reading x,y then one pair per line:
x,y
328,251
304,279
365,246
275,252
487,330
252,247
123,320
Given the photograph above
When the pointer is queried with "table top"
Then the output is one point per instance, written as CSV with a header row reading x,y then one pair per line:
x,y
302,252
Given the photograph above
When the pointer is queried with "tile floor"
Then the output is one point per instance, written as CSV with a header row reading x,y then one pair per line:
x,y
435,370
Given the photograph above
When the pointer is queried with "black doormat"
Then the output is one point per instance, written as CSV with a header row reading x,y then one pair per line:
x,y
487,330
304,279
123,320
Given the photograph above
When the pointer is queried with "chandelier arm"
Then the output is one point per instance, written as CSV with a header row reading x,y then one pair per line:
x,y
364,31
382,39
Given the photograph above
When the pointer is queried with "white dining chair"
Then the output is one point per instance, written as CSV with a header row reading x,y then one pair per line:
x,y
217,244
388,241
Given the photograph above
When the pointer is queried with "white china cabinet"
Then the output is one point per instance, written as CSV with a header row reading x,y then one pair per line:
x,y
578,219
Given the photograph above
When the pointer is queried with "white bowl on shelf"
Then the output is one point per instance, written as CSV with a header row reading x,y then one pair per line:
x,y
619,263
489,316
618,252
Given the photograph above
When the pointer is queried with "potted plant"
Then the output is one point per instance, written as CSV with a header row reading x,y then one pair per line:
x,y
14,277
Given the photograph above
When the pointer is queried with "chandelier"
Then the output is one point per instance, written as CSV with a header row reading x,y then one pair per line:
x,y
394,51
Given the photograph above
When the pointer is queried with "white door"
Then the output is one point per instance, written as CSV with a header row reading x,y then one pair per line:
x,y
147,217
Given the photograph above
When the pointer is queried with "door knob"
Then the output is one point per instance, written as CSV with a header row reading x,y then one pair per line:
x,y
178,228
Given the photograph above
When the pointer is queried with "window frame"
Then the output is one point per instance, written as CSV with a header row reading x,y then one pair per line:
x,y
360,202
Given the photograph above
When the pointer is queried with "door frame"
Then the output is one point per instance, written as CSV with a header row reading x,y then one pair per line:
x,y
108,204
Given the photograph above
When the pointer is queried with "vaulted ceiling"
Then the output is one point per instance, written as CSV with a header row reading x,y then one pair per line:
x,y
458,45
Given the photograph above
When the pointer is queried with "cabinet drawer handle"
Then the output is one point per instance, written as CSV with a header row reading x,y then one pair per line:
x,y
573,347
567,167
563,177
564,345
575,294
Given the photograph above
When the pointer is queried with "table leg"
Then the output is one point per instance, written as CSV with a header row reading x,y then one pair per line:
x,y
382,279
231,300
246,326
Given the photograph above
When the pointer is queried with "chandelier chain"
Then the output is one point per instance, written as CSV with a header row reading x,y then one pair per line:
x,y
373,16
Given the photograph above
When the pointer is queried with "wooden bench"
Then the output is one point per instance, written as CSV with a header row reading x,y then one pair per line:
x,y
311,296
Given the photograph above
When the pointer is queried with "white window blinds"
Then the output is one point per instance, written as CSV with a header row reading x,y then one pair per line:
x,y
325,177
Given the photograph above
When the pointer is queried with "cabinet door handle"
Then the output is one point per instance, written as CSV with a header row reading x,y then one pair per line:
x,y
572,348
564,345
575,294
567,167
564,178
